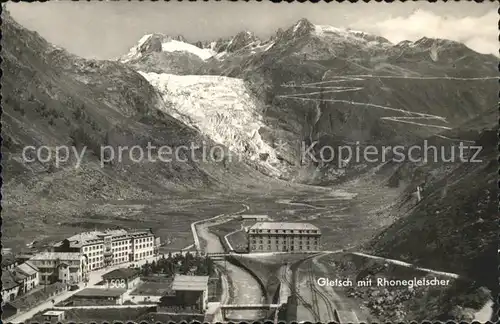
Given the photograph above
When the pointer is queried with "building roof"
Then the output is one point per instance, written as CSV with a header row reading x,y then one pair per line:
x,y
192,283
86,238
27,268
53,313
25,256
283,226
8,259
96,237
122,273
253,216
98,292
19,276
6,251
8,280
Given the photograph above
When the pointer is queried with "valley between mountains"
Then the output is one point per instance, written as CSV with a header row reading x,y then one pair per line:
x,y
260,101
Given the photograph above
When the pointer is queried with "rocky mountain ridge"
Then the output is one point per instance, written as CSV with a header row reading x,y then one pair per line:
x,y
329,59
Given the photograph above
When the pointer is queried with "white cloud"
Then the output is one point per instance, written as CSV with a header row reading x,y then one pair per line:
x,y
478,33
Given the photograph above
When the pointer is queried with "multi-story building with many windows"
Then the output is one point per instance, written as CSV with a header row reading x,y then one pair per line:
x,y
283,237
111,247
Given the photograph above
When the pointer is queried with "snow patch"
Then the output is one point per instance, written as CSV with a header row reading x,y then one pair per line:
x,y
221,108
177,46
265,47
346,34
268,47
220,55
297,27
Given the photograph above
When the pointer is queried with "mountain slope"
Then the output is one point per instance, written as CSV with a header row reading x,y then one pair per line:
x,y
453,227
52,98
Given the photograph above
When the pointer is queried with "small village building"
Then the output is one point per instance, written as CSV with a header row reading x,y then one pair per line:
x,y
27,275
54,315
25,302
23,257
68,267
9,261
191,291
124,278
98,296
10,287
8,309
258,218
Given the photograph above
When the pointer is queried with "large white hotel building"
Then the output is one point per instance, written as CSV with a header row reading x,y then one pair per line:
x,y
111,247
283,237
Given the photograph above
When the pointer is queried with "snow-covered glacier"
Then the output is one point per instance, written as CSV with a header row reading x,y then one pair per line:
x,y
221,108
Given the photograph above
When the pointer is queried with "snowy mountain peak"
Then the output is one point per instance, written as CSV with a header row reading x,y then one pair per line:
x,y
434,45
305,28
302,27
348,34
434,42
241,40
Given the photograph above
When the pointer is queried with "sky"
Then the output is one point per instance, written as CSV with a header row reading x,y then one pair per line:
x,y
107,30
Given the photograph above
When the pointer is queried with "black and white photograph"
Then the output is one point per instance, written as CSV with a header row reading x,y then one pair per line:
x,y
249,161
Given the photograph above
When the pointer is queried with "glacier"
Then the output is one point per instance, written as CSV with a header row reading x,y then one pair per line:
x,y
222,108
178,46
